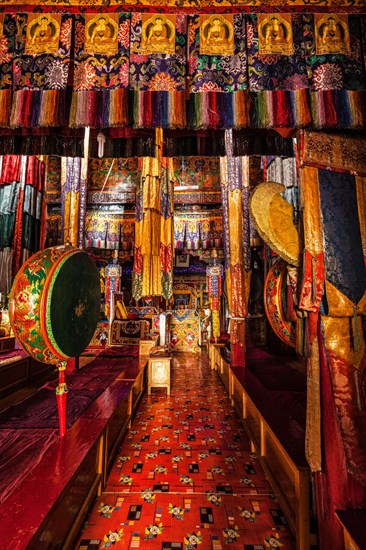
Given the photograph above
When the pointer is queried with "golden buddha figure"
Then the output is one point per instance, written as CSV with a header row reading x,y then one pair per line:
x,y
217,35
158,35
275,34
42,34
101,34
331,34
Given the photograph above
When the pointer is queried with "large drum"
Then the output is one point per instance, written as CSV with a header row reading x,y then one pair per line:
x,y
55,304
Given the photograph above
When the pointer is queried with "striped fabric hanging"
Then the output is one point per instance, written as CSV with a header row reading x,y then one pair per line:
x,y
336,70
158,70
100,89
236,232
277,71
153,254
218,72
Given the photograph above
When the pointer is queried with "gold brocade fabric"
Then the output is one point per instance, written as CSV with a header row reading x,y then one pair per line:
x,y
228,287
331,34
166,226
340,306
151,276
339,334
336,151
235,217
347,394
151,233
71,210
215,323
310,199
158,34
238,292
139,232
313,412
361,204
151,183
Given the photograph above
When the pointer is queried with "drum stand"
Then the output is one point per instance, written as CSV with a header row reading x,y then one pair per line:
x,y
61,396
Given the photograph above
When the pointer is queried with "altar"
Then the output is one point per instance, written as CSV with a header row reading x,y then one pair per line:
x,y
185,330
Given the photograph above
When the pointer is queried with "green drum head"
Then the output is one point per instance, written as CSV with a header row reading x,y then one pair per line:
x,y
73,304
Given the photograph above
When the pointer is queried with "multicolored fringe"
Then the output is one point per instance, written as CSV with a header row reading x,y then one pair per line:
x,y
214,110
159,109
338,109
280,108
99,108
34,108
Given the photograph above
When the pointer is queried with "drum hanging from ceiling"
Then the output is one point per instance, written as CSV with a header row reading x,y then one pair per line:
x,y
55,304
274,291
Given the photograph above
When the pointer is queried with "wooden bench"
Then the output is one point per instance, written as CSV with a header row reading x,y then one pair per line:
x,y
354,528
48,506
282,458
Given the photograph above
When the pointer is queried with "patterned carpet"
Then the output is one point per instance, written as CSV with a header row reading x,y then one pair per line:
x,y
185,477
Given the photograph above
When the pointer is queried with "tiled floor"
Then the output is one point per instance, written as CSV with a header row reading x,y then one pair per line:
x,y
185,477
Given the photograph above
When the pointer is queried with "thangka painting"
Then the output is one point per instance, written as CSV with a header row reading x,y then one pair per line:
x,y
201,172
118,175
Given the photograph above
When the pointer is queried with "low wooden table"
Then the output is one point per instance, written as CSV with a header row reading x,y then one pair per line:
x,y
159,373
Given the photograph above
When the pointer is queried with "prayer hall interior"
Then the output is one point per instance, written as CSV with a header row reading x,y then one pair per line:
x,y
182,274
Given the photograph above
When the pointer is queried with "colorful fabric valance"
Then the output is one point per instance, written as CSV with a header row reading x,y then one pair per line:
x,y
178,70
41,69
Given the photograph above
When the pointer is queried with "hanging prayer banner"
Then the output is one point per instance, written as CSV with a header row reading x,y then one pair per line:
x,y
41,69
101,70
277,70
336,70
218,71
7,31
158,69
